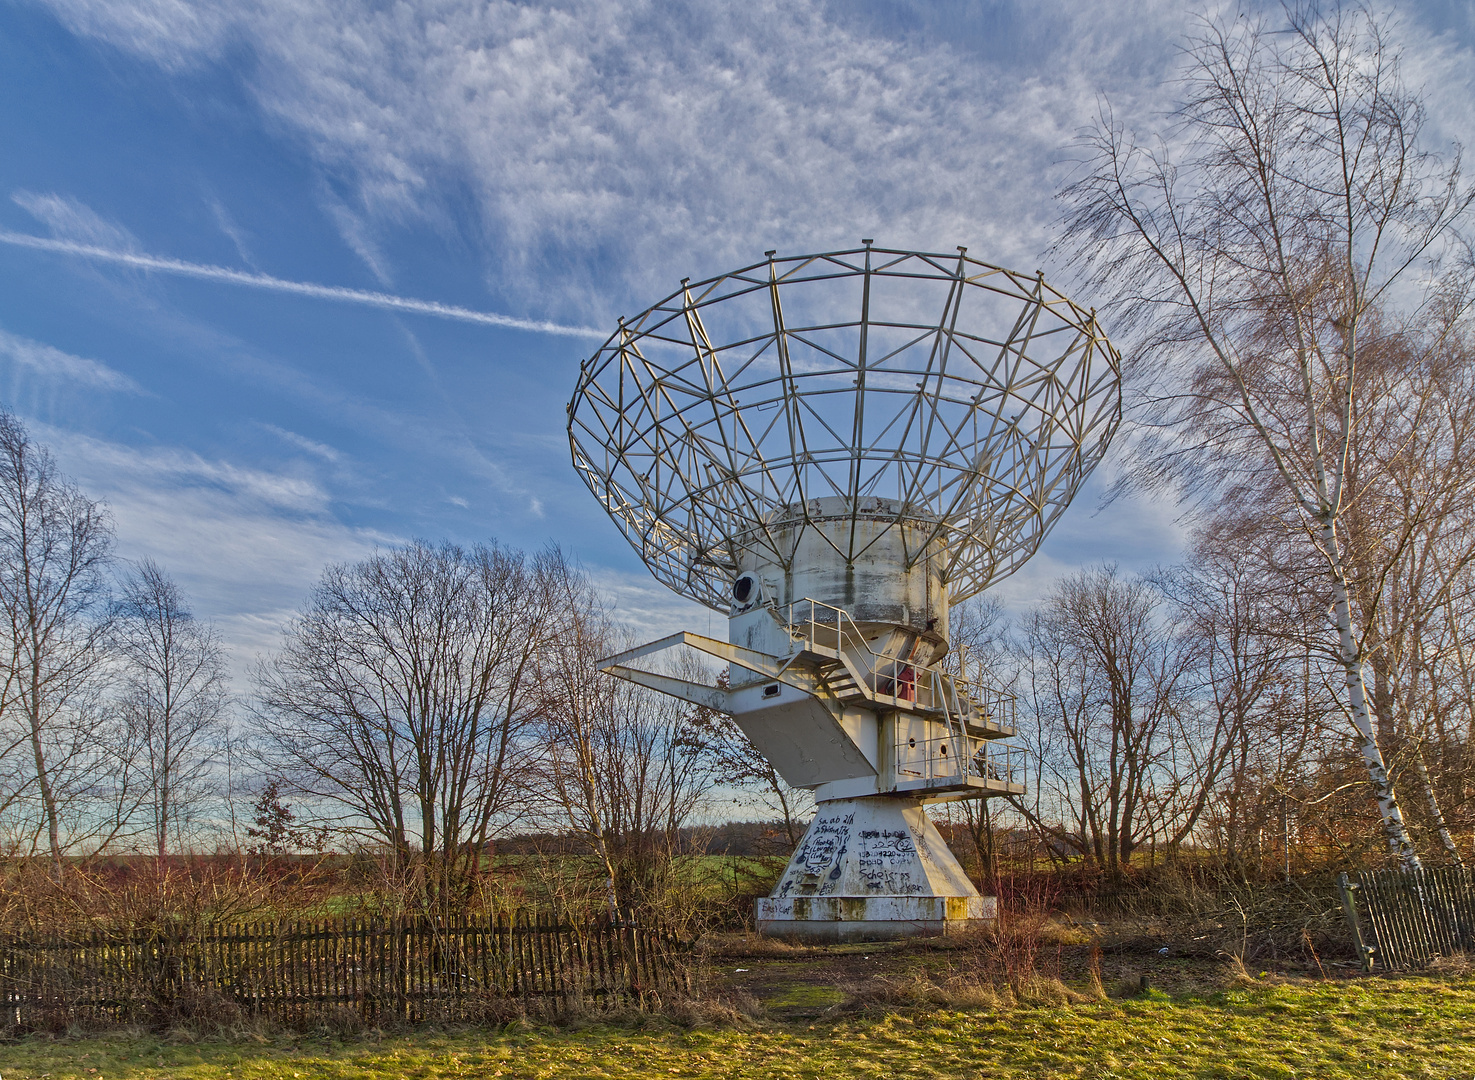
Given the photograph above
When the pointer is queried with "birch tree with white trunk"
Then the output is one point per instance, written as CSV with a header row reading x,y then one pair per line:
x,y
1284,227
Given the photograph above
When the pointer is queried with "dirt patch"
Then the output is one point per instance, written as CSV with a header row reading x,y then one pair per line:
x,y
805,982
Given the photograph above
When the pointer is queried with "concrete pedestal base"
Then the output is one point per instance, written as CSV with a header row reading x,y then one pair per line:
x,y
870,918
872,868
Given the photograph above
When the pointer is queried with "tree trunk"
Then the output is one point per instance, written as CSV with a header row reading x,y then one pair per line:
x,y
783,805
48,797
161,820
991,852
1445,839
1350,656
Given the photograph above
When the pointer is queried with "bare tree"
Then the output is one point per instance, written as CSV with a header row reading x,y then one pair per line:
x,y
173,699
399,700
620,768
734,759
55,545
1103,675
1411,537
1247,679
982,649
576,700
1261,258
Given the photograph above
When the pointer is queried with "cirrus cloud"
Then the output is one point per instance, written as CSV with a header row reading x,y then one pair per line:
x,y
612,147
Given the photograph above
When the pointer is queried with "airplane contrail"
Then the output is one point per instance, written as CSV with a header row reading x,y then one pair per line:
x,y
301,288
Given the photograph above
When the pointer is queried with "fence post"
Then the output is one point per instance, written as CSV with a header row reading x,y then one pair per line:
x,y
1349,905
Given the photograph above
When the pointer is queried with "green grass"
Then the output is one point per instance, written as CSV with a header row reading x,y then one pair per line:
x,y
524,879
805,995
1370,1028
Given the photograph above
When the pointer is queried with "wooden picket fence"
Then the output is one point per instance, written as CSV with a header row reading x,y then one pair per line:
x,y
1402,919
384,970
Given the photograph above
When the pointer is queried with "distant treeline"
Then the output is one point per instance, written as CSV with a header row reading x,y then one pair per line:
x,y
748,838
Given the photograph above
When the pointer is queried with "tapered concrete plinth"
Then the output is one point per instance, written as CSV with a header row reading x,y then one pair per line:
x,y
872,868
872,918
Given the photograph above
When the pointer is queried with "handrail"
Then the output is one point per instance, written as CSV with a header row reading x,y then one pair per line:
x,y
933,761
854,637
995,704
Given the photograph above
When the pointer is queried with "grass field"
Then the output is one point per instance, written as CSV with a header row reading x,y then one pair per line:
x,y
1406,1027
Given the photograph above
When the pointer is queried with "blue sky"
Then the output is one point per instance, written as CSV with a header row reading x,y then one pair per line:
x,y
562,163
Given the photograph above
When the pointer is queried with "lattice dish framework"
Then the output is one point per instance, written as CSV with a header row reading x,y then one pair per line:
x,y
921,387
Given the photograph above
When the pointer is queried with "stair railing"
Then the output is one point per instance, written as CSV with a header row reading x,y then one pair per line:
x,y
931,686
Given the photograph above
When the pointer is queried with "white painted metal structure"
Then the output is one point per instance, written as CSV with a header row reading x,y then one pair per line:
x,y
832,449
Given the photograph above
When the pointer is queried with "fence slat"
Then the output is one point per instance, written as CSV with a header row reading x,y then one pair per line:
x,y
1413,916
1447,887
1390,940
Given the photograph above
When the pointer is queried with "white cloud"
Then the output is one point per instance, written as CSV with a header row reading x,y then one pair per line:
x,y
1442,69
224,274
44,361
302,442
359,238
228,226
436,433
1136,532
69,219
173,470
246,544
615,147
649,609
176,34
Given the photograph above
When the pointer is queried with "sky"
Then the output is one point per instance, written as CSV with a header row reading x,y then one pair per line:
x,y
283,281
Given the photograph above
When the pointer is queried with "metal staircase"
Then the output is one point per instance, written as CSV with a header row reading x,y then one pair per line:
x,y
839,679
830,643
951,764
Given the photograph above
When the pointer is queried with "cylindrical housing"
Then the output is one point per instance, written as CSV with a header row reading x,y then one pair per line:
x,y
874,561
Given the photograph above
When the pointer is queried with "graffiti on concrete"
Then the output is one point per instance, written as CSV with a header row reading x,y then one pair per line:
x,y
838,859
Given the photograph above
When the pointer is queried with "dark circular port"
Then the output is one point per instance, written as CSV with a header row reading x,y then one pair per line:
x,y
743,587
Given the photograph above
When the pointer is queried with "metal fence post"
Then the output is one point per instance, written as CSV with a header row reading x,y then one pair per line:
x,y
1349,905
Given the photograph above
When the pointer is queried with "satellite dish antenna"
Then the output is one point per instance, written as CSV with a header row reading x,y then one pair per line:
x,y
831,449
